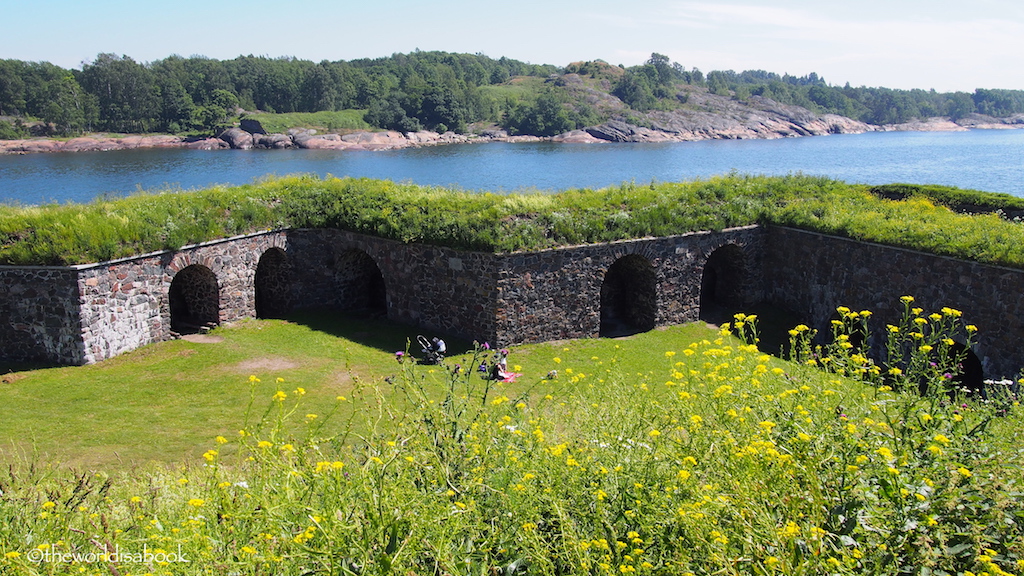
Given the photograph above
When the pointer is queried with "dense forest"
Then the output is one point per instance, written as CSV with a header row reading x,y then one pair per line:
x,y
422,90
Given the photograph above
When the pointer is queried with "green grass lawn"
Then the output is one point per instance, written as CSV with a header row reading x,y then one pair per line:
x,y
166,402
324,121
676,451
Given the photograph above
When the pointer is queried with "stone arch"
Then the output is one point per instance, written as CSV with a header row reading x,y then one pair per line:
x,y
971,379
859,337
194,299
629,297
272,284
363,283
723,283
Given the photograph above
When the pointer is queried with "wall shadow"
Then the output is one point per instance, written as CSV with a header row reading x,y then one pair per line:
x,y
369,328
773,324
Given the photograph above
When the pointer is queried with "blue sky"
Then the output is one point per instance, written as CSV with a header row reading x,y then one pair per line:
x,y
947,45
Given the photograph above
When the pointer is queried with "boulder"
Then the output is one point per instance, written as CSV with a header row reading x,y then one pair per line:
x,y
612,131
300,137
576,137
237,138
275,141
251,126
619,131
423,137
378,140
207,144
325,142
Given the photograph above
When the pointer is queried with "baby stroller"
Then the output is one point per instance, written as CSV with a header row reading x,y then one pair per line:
x,y
433,349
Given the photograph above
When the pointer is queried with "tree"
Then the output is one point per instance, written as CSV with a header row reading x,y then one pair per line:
x,y
319,90
390,114
126,93
959,105
443,109
12,87
546,116
635,89
177,110
666,72
70,109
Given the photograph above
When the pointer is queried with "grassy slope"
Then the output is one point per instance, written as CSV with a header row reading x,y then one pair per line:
x,y
166,402
673,452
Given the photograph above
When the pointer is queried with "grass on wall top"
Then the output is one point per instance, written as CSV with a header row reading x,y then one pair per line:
x,y
918,218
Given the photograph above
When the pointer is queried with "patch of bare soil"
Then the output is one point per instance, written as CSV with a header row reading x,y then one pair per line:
x,y
11,378
267,364
341,382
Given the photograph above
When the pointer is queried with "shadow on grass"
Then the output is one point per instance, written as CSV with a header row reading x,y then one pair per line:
x,y
9,367
372,329
773,324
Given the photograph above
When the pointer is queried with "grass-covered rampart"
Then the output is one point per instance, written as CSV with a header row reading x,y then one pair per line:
x,y
916,217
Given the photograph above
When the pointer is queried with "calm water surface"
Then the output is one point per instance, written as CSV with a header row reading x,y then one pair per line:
x,y
991,160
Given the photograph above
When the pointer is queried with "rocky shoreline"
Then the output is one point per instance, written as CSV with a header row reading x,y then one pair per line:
x,y
238,139
765,120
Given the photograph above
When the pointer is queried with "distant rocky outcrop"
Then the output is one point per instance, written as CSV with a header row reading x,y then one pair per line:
x,y
971,121
710,117
703,116
105,143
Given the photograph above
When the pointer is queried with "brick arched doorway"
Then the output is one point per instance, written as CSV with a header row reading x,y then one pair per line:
x,y
272,284
194,300
629,297
363,284
723,284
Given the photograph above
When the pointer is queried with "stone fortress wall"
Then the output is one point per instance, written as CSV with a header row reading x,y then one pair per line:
x,y
84,314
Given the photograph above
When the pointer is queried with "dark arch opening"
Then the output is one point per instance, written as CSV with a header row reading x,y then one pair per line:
x,y
971,377
858,336
722,285
364,288
272,285
194,300
629,297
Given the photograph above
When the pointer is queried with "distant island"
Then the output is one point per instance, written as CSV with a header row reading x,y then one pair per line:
x,y
430,98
